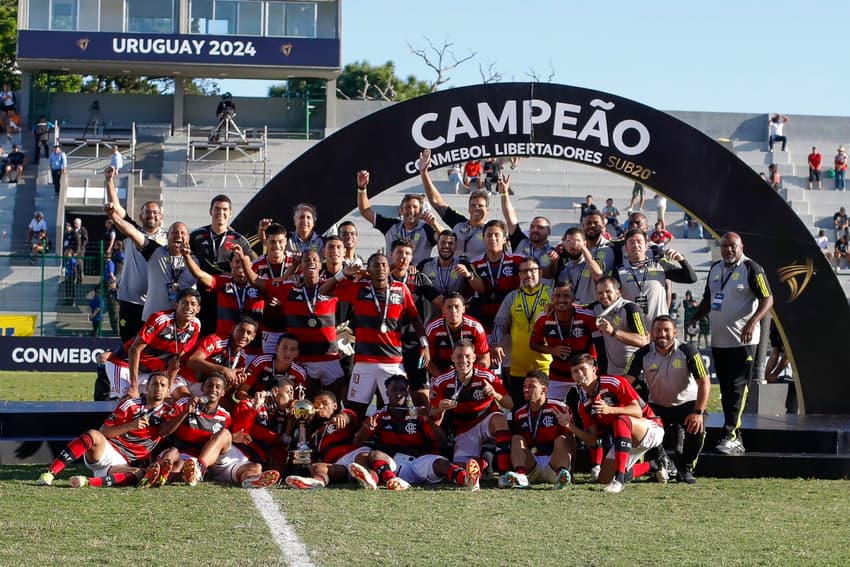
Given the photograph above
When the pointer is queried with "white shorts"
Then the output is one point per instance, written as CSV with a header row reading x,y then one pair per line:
x,y
110,458
119,379
270,339
349,457
196,389
178,381
325,371
468,443
542,472
225,468
417,470
366,377
653,438
559,390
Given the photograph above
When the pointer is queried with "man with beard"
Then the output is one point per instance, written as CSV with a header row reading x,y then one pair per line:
x,y
132,289
679,387
443,269
454,326
534,244
620,324
271,267
381,308
599,246
469,232
578,267
305,237
415,225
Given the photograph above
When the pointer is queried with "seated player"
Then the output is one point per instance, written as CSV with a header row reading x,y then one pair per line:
x,y
332,440
405,444
263,424
113,452
455,325
472,398
203,441
608,404
165,339
215,353
263,370
542,450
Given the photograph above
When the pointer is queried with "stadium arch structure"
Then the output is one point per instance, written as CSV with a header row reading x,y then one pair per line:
x,y
610,133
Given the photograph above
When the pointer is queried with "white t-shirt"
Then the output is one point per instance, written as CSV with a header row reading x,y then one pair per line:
x,y
38,226
823,242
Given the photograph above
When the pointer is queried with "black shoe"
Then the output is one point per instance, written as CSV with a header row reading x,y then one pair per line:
x,y
686,475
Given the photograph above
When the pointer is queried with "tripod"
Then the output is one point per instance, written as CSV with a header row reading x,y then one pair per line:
x,y
229,126
95,121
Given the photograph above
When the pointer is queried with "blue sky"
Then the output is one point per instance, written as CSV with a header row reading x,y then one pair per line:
x,y
741,56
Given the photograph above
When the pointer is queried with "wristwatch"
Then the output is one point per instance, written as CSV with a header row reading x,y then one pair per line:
x,y
699,411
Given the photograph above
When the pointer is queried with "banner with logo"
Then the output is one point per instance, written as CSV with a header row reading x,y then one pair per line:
x,y
17,325
53,354
603,131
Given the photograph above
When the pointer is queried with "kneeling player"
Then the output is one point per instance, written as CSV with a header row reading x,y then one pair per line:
x,y
410,436
610,404
542,450
262,422
126,437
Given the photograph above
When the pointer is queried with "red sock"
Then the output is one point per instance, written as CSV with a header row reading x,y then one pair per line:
x,y
383,469
521,470
503,450
640,469
203,466
71,453
323,478
456,475
595,455
622,446
116,479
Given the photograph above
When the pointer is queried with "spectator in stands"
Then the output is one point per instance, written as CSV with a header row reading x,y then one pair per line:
x,y
841,222
777,122
41,134
841,252
661,209
36,225
58,165
585,207
96,308
660,236
117,160
815,160
840,168
455,174
8,101
689,222
823,243
612,223
72,275
110,236
637,195
13,125
689,308
492,172
81,238
773,177
472,174
15,162
39,245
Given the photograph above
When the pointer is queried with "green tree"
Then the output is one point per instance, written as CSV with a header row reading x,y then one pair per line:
x,y
9,42
359,81
297,88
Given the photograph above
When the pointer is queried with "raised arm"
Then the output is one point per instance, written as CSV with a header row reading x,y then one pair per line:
x,y
200,275
363,204
124,227
508,210
431,192
112,192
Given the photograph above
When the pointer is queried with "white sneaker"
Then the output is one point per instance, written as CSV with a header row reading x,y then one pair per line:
x,y
516,480
563,480
397,484
79,481
303,482
594,472
614,487
359,473
473,475
46,479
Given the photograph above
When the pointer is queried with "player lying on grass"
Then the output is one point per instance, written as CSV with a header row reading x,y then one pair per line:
x,y
203,441
332,440
608,404
406,442
542,450
127,437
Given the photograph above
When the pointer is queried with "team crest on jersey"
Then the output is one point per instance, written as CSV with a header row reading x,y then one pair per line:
x,y
577,332
149,330
677,363
210,348
330,429
396,298
410,428
478,395
508,270
548,421
736,276
230,287
617,320
217,427
252,292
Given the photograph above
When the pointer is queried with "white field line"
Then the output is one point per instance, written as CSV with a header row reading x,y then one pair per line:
x,y
284,536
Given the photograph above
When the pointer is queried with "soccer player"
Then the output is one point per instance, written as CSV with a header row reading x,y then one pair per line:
x,y
473,398
266,368
679,387
620,324
563,333
347,232
270,267
494,275
608,404
542,450
453,326
415,225
263,422
406,442
443,269
113,452
578,266
381,307
163,342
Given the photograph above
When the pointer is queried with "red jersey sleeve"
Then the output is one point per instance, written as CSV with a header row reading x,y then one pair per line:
x,y
537,337
244,416
409,308
347,290
278,290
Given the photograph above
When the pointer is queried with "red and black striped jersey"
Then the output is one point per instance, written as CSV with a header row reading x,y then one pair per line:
x,y
261,372
372,344
164,340
137,444
540,428
233,301
400,432
217,351
272,314
309,316
616,392
331,442
265,427
473,404
575,333
441,339
500,278
198,427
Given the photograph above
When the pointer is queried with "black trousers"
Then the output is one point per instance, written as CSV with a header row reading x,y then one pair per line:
x,y
734,368
674,422
129,319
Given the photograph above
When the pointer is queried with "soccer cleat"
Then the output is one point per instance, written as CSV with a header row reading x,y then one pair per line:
x,y
594,472
164,472
361,474
729,446
473,475
614,487
397,484
303,482
662,473
46,479
192,472
79,481
264,480
686,475
151,477
563,480
516,480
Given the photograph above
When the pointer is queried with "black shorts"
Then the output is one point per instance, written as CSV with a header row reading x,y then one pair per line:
x,y
814,175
